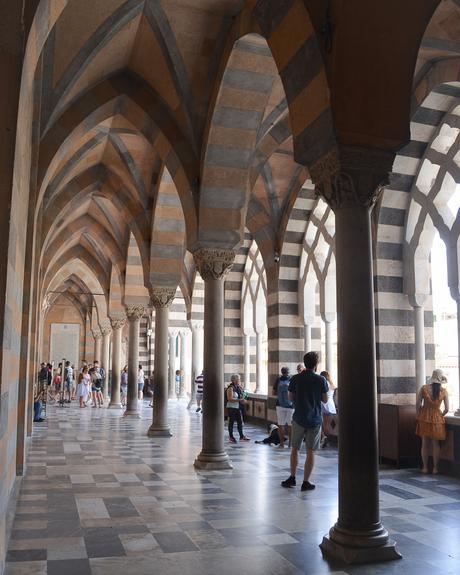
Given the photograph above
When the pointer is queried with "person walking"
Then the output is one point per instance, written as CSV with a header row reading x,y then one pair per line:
x,y
68,381
431,426
140,382
199,380
307,390
284,408
234,399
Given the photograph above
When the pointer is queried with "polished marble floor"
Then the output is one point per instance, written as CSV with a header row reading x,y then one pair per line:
x,y
101,498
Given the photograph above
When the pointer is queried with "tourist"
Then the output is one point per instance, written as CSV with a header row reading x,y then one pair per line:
x,y
100,371
83,386
273,438
430,419
199,380
307,391
284,408
300,367
124,385
57,379
38,403
43,376
96,387
328,409
68,376
177,379
234,398
140,382
74,385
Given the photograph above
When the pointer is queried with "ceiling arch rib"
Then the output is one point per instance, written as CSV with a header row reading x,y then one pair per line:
x,y
87,280
128,97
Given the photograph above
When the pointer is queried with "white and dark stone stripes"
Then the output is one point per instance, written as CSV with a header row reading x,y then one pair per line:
x,y
394,314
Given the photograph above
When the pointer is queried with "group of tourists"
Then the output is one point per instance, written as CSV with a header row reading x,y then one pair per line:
x,y
91,383
305,406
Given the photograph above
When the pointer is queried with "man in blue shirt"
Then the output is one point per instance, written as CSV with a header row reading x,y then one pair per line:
x,y
307,390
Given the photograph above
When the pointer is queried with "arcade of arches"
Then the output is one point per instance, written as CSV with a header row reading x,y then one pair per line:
x,y
222,185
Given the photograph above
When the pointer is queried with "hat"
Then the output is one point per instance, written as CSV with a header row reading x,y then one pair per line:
x,y
273,427
438,377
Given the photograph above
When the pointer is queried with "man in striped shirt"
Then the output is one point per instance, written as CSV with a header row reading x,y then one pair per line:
x,y
199,391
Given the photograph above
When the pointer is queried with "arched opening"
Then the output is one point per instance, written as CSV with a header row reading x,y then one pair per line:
x,y
445,321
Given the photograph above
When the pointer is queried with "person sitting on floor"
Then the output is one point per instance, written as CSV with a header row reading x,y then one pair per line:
x,y
273,438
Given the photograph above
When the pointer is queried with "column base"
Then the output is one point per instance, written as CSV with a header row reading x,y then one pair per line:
x,y
155,431
359,546
133,414
211,461
114,405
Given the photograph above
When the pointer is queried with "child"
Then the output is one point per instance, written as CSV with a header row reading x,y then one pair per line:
x,y
273,437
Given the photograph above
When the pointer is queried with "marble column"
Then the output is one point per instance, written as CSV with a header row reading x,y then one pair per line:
x,y
212,265
183,362
197,355
259,362
134,314
117,328
307,337
106,330
172,365
162,298
358,535
247,361
328,346
97,344
419,340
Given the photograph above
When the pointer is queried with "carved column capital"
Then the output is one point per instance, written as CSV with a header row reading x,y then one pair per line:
x,y
352,176
97,334
135,312
117,322
105,327
213,263
162,296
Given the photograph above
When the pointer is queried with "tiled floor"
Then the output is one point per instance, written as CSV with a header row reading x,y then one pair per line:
x,y
100,497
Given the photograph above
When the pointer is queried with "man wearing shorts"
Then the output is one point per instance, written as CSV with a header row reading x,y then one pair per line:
x,y
284,408
307,390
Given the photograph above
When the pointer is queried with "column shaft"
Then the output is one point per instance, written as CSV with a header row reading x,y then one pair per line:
x,y
116,368
328,333
307,337
197,363
160,425
105,360
97,348
358,534
419,329
172,366
259,363
213,454
183,361
132,408
247,361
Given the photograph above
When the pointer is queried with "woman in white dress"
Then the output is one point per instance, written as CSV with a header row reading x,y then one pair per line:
x,y
83,386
